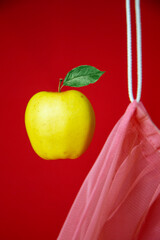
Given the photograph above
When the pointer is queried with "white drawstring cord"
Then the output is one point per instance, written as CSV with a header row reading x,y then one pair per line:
x,y
129,50
139,50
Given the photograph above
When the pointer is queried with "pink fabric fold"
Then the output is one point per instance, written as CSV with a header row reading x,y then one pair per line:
x,y
120,197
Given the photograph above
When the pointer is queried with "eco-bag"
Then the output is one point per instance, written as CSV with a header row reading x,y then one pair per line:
x,y
120,197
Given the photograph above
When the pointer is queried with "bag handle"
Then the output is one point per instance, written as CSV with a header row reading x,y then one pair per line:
x,y
129,50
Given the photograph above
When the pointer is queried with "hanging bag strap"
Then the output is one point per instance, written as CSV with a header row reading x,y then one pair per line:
x,y
129,50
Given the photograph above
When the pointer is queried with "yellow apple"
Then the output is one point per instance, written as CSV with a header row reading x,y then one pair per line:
x,y
60,125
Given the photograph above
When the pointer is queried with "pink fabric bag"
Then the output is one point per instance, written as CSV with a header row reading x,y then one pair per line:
x,y
120,197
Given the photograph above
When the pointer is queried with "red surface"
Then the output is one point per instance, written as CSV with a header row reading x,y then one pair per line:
x,y
40,41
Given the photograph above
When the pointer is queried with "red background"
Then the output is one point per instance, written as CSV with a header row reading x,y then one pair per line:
x,y
40,41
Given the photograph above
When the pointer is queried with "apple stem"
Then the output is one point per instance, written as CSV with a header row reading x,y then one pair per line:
x,y
59,86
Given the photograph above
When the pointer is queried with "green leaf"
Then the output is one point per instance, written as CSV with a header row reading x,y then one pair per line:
x,y
82,76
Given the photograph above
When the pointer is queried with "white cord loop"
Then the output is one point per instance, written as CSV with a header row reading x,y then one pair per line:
x,y
129,50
